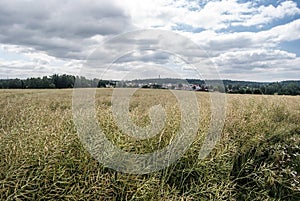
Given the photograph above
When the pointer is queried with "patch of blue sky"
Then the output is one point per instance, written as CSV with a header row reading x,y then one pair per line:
x,y
262,2
186,28
11,56
260,27
291,46
202,3
232,29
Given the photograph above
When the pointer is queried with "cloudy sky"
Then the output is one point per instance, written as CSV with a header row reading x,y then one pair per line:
x,y
255,40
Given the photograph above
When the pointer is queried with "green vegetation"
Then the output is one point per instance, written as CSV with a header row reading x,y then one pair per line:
x,y
235,87
280,88
258,157
54,81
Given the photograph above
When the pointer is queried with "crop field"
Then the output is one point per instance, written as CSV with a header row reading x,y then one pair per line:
x,y
42,157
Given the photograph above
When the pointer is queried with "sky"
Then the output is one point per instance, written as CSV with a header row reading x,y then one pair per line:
x,y
257,40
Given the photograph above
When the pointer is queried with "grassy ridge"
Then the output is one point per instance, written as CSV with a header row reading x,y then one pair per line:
x,y
42,158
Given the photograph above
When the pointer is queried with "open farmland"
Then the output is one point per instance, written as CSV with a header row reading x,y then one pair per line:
x,y
257,158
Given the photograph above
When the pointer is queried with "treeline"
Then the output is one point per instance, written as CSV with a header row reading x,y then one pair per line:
x,y
246,87
52,82
70,81
231,86
280,88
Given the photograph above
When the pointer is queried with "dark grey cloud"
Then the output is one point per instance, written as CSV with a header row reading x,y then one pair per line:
x,y
147,46
61,28
146,56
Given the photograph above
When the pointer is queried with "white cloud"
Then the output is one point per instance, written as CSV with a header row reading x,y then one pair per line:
x,y
216,43
286,32
214,15
217,15
266,14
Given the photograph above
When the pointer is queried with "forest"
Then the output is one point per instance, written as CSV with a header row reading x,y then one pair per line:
x,y
230,86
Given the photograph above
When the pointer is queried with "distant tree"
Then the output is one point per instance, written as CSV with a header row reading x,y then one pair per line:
x,y
156,86
68,81
63,81
257,91
94,83
145,86
47,83
15,84
102,83
248,91
55,80
272,88
82,82
241,91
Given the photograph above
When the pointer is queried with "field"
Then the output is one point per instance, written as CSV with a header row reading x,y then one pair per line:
x,y
42,158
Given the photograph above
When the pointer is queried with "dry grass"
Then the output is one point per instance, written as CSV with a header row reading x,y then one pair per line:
x,y
42,158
